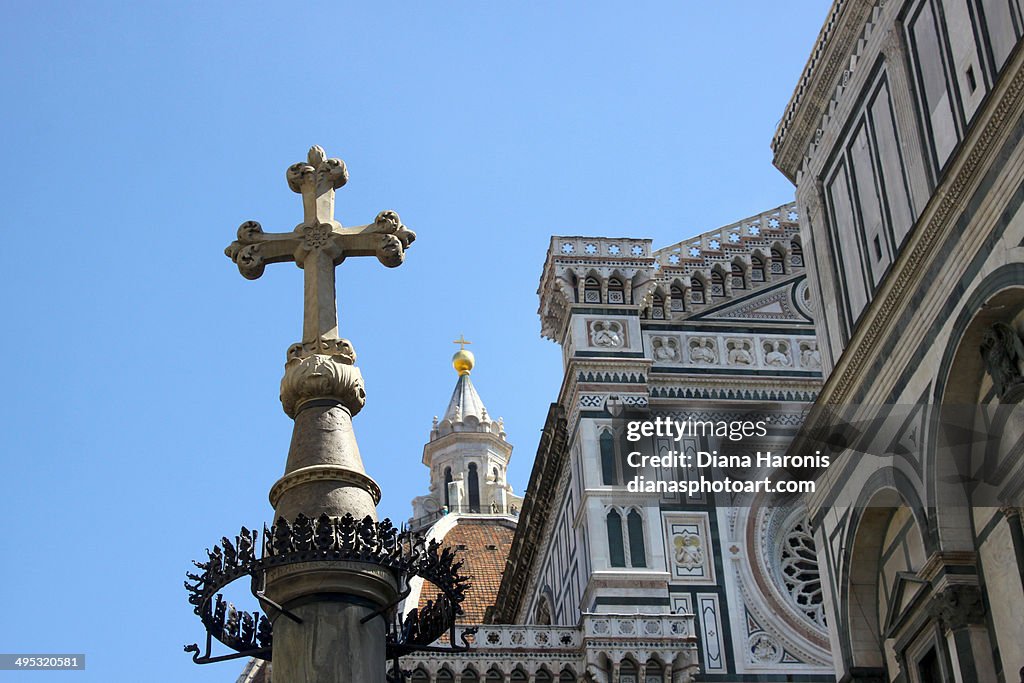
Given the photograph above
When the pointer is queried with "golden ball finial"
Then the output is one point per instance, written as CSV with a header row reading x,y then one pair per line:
x,y
463,360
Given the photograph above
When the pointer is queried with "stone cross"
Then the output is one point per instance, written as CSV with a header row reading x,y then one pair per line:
x,y
317,245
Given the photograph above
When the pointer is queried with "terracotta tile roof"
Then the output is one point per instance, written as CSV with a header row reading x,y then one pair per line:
x,y
483,546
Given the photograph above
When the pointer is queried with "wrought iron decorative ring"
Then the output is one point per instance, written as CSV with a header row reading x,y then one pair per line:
x,y
250,634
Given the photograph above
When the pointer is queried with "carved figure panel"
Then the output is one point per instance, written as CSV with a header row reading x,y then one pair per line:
x,y
665,349
739,351
776,353
690,551
703,351
608,334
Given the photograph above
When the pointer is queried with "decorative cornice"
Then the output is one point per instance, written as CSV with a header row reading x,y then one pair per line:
x,y
821,74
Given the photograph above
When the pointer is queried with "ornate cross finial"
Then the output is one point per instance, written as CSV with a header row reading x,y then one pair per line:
x,y
461,341
317,245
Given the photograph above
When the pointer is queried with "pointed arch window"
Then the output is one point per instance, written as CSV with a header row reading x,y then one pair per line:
x,y
796,254
635,530
778,262
566,677
658,307
609,475
469,676
697,290
445,676
518,676
756,269
616,292
592,291
626,545
447,480
473,484
495,676
542,676
678,305
739,278
616,548
420,676
717,284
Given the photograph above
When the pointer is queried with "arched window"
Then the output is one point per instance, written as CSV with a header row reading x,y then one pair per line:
x,y
566,677
447,480
616,549
474,488
542,676
778,262
627,668
494,676
420,676
592,291
756,269
608,469
677,299
616,294
445,676
796,254
635,529
697,290
739,279
717,284
518,676
658,307
469,676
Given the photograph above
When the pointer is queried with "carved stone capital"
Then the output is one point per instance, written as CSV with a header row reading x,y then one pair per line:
x,y
340,349
321,376
959,606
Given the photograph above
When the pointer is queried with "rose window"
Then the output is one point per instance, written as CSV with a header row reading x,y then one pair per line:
x,y
799,564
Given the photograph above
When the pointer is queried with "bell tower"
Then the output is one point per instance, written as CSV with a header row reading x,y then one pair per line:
x,y
467,454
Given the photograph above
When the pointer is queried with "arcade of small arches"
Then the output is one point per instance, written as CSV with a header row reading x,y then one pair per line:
x,y
624,669
688,286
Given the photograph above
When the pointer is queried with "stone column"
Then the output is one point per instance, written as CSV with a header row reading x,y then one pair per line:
x,y
961,611
324,475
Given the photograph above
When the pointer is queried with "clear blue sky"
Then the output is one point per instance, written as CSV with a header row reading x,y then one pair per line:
x,y
140,417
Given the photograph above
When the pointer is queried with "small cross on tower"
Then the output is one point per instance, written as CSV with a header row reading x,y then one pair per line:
x,y
317,245
461,341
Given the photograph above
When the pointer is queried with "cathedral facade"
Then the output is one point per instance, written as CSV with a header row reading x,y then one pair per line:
x,y
903,139
877,320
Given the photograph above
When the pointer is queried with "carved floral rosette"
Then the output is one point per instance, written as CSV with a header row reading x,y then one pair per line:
x,y
319,376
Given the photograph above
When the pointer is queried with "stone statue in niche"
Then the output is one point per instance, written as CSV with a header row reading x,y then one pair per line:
x,y
739,352
606,333
810,357
1003,353
666,349
702,350
776,353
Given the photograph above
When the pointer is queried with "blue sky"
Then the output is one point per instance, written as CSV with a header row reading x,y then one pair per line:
x,y
140,420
